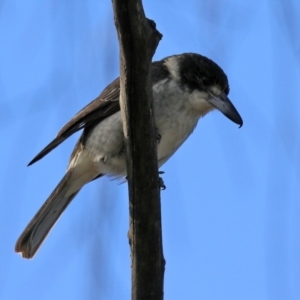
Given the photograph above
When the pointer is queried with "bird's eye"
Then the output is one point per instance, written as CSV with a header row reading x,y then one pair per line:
x,y
206,81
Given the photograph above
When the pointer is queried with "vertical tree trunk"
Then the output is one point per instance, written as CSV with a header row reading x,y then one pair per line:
x,y
138,40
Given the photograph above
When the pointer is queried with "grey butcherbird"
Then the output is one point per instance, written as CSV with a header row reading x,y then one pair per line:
x,y
185,88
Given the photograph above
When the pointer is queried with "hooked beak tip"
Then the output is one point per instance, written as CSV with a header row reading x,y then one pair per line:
x,y
224,105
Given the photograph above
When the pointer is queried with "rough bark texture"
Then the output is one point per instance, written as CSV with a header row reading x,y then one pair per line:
x,y
138,40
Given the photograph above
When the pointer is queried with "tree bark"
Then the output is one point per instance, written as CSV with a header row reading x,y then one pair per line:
x,y
138,39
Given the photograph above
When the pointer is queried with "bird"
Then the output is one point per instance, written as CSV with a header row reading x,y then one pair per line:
x,y
185,88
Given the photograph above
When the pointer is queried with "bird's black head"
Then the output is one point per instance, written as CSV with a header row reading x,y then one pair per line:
x,y
195,72
199,72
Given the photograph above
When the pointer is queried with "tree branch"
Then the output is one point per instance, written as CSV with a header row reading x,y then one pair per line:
x,y
138,40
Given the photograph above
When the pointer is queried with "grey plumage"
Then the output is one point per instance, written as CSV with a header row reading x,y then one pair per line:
x,y
185,88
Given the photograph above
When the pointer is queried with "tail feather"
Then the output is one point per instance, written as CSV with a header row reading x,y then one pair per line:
x,y
39,227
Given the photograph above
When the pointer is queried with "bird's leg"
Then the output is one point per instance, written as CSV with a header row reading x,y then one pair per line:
x,y
158,135
161,181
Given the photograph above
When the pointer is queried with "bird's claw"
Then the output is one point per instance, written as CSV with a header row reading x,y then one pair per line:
x,y
158,136
161,183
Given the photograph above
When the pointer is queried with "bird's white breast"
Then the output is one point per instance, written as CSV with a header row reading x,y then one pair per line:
x,y
174,118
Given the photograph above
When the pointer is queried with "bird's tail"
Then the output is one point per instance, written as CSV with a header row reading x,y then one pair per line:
x,y
38,228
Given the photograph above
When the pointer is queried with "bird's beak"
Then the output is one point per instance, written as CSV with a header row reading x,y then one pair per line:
x,y
224,105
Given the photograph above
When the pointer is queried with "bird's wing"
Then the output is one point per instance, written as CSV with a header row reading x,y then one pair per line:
x,y
102,107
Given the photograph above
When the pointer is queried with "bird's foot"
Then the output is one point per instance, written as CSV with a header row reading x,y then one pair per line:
x,y
158,136
161,183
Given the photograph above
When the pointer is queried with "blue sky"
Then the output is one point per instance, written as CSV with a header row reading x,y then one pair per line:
x,y
231,209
